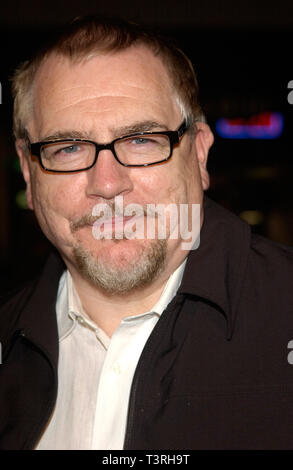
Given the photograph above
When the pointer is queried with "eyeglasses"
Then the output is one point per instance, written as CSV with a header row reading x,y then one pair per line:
x,y
135,150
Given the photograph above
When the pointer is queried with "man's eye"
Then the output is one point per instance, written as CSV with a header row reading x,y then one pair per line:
x,y
144,141
70,149
141,141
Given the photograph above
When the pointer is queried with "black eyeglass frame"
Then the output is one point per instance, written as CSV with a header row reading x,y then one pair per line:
x,y
174,138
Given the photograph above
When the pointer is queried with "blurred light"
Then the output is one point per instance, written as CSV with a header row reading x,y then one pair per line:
x,y
259,126
252,217
20,199
262,173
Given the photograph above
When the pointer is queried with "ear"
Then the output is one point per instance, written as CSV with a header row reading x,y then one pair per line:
x,y
22,152
204,139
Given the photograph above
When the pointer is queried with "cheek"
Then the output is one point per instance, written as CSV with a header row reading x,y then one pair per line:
x,y
177,180
161,184
55,201
189,180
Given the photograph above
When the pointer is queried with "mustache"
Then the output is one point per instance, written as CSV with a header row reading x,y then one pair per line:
x,y
89,219
86,219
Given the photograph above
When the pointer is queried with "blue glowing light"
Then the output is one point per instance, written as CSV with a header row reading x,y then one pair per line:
x,y
267,125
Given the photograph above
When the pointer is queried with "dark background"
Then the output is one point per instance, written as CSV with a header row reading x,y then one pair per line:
x,y
243,55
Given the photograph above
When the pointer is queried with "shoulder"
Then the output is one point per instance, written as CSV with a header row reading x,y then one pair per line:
x,y
251,269
268,282
266,295
13,295
15,304
236,235
274,259
11,305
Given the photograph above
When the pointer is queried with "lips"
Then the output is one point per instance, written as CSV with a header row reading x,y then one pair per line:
x,y
114,223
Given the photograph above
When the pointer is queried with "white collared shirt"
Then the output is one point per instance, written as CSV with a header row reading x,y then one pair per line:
x,y
95,372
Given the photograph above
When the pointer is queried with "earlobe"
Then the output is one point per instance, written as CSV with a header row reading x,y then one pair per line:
x,y
204,139
24,164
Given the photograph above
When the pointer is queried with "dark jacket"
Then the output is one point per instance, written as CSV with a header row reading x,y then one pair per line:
x,y
214,373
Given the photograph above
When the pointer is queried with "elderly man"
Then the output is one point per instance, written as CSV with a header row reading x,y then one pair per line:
x,y
131,341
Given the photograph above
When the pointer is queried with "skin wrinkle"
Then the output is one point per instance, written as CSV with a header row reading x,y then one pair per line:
x,y
85,100
90,98
94,112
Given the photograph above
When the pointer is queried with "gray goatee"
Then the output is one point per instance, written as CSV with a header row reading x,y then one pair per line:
x,y
119,280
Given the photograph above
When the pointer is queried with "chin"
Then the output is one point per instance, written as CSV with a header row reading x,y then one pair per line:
x,y
119,266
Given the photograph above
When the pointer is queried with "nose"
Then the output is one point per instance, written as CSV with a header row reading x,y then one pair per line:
x,y
108,178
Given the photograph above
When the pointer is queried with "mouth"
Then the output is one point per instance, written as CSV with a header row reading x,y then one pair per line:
x,y
119,227
114,223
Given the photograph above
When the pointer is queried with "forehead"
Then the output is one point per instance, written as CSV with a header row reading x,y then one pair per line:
x,y
122,85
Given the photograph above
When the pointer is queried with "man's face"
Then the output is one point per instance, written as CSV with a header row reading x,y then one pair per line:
x,y
101,99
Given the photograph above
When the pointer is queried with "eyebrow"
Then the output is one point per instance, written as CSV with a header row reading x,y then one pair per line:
x,y
137,127
68,134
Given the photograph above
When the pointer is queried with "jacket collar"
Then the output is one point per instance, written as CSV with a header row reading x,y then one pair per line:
x,y
215,270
